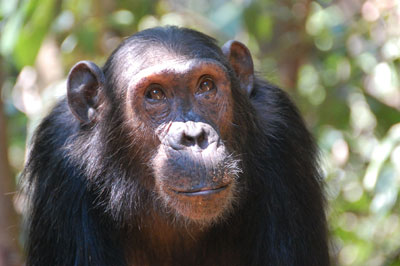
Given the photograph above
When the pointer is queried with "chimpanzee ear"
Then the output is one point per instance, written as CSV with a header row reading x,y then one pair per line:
x,y
240,58
85,81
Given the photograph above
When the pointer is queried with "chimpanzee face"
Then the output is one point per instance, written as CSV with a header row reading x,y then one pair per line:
x,y
184,106
188,104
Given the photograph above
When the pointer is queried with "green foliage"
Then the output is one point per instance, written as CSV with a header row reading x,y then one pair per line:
x,y
29,25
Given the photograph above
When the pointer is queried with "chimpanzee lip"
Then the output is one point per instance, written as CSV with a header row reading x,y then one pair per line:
x,y
200,192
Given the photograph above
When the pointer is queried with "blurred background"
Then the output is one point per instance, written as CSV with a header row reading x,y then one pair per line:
x,y
339,61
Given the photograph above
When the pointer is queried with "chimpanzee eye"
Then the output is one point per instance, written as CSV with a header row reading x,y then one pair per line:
x,y
155,93
207,84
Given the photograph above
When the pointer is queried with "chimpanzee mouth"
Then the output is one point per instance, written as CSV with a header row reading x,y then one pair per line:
x,y
200,192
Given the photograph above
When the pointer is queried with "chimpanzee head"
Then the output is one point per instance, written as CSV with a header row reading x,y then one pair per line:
x,y
175,94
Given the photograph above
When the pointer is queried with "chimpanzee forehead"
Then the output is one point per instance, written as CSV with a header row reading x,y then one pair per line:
x,y
179,67
132,61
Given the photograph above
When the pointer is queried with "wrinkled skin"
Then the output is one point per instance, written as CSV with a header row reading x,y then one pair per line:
x,y
194,171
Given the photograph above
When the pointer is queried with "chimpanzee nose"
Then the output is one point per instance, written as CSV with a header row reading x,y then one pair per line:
x,y
190,134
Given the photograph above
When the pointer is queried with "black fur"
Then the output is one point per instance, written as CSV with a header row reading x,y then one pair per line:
x,y
86,194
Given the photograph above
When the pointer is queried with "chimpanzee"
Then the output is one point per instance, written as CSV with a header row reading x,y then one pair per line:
x,y
174,153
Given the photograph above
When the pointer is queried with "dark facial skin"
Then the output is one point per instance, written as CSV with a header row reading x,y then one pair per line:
x,y
188,104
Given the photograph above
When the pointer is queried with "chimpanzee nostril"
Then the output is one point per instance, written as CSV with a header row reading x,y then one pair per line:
x,y
193,135
202,140
187,140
